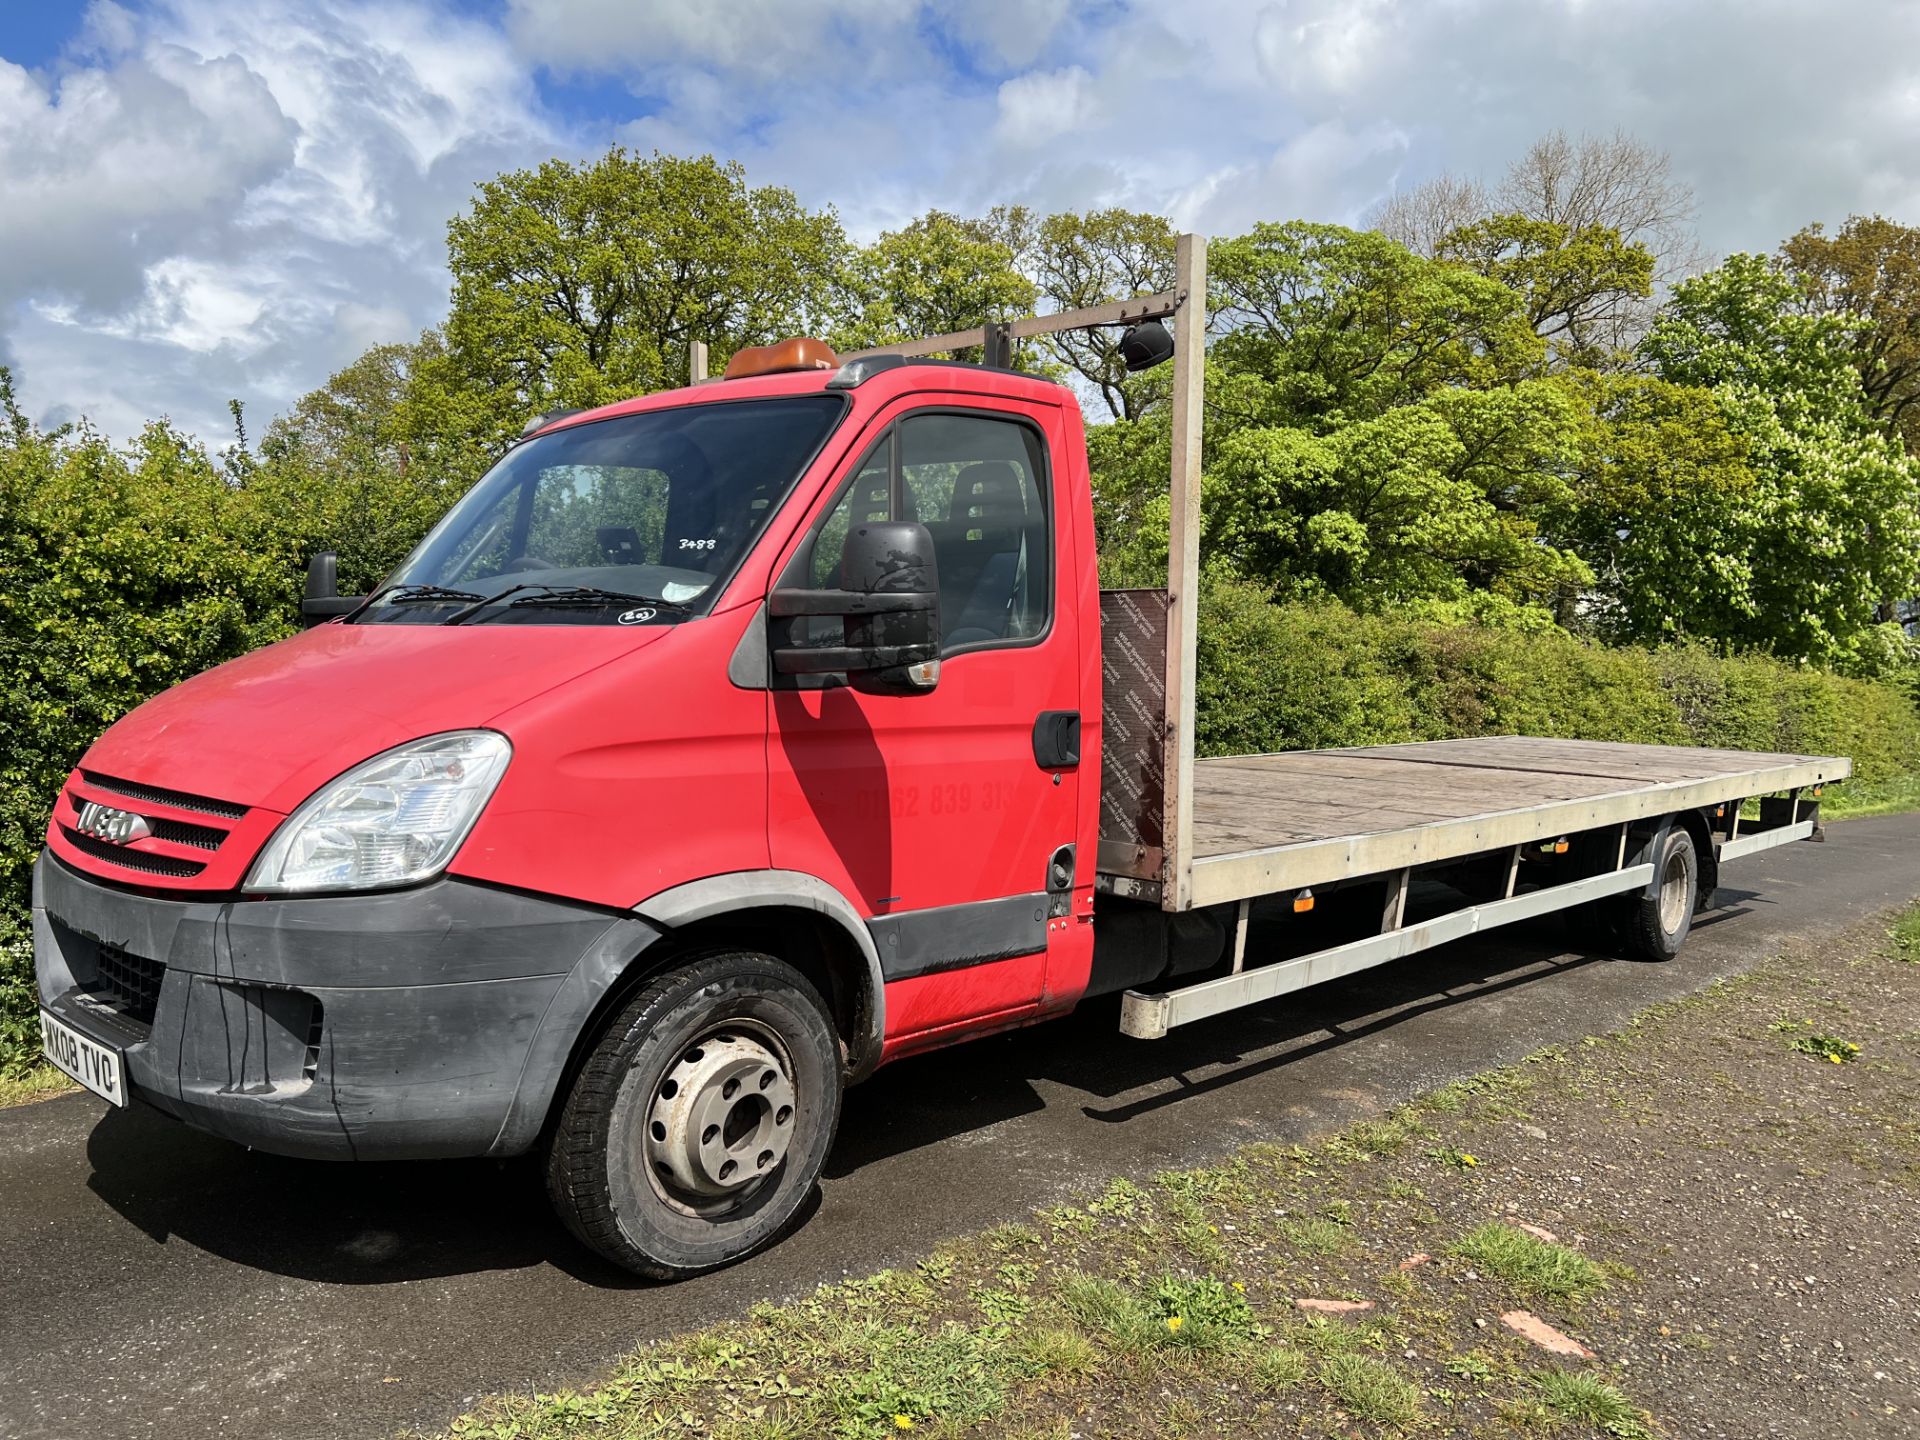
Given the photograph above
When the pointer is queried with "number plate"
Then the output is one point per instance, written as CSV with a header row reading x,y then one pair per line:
x,y
94,1065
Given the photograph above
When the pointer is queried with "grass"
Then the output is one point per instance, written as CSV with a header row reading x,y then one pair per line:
x,y
1538,1269
37,1082
1370,1389
1905,936
1857,799
1585,1399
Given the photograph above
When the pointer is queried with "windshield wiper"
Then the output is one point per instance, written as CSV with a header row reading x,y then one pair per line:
x,y
567,597
405,594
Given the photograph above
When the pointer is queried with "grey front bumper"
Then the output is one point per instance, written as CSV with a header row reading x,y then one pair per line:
x,y
436,1021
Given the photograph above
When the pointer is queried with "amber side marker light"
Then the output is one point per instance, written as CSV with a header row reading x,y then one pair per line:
x,y
803,352
1303,902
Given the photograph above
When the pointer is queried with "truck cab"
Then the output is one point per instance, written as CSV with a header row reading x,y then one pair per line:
x,y
716,748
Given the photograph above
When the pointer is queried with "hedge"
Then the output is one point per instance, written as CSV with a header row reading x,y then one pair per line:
x,y
1283,677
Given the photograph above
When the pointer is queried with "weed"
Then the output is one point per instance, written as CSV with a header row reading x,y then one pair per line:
x,y
1002,1307
949,1374
1532,1266
1827,1047
1012,1236
1195,1234
1202,1313
1453,1157
1470,1367
1067,1221
1122,1200
1370,1389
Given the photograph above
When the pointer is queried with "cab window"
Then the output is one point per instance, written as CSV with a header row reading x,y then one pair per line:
x,y
979,485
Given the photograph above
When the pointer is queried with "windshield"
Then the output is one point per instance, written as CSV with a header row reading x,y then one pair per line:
x,y
634,520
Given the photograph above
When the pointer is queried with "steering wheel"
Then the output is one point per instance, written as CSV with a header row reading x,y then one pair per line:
x,y
520,563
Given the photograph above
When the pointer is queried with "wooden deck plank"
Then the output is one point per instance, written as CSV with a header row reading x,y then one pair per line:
x,y
1588,757
1469,785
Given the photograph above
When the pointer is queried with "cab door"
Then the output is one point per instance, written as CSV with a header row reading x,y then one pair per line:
x,y
947,816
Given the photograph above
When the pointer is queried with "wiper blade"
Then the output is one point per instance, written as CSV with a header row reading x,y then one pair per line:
x,y
588,595
564,595
404,594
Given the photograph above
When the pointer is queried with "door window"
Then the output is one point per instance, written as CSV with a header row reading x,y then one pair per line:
x,y
979,486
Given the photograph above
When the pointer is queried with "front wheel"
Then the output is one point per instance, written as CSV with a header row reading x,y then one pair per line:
x,y
1656,926
699,1124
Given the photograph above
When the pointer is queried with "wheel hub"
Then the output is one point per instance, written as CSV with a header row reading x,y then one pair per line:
x,y
722,1117
1673,893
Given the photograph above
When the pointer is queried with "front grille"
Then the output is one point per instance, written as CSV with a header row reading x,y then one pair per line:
x,y
180,832
179,800
131,859
131,983
315,1028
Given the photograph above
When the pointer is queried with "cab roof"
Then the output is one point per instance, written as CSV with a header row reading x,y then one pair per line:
x,y
895,375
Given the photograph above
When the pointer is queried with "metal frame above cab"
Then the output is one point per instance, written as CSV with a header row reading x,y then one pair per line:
x,y
1186,305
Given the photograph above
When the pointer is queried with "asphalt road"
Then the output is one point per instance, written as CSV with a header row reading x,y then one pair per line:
x,y
158,1282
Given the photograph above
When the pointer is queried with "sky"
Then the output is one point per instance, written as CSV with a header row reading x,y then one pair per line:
x,y
212,199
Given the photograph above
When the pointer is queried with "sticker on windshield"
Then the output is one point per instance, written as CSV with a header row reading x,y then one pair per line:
x,y
638,617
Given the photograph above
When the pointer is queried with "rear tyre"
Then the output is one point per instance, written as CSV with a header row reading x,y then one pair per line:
x,y
698,1126
1655,927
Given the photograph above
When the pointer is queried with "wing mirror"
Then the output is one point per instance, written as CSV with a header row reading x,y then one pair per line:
x,y
322,600
888,601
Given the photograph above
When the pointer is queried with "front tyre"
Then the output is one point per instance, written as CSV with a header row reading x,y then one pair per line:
x,y
699,1124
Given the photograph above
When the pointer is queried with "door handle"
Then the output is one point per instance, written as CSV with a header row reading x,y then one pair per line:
x,y
1056,739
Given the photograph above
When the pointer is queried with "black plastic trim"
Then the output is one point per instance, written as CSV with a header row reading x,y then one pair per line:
x,y
952,937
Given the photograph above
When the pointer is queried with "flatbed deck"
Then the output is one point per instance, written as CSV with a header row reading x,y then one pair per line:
x,y
1265,823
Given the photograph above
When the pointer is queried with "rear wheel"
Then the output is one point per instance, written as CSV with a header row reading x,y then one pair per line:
x,y
1655,926
698,1126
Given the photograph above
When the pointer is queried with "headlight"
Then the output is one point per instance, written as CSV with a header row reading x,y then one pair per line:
x,y
393,820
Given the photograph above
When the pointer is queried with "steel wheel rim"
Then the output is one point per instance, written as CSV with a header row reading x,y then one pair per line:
x,y
1673,892
720,1119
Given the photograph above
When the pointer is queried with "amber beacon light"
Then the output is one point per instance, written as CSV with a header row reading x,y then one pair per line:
x,y
802,352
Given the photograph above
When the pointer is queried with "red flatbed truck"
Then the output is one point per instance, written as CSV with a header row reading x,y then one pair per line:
x,y
723,745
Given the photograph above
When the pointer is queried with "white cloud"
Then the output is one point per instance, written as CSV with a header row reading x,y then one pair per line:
x,y
794,44
1043,105
206,199
209,200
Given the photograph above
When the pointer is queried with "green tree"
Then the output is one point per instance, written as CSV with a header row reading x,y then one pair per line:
x,y
1578,288
1659,503
1871,268
1832,537
1083,260
576,285
1323,326
936,276
1436,501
